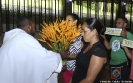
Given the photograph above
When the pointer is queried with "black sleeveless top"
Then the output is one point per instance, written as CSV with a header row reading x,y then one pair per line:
x,y
83,60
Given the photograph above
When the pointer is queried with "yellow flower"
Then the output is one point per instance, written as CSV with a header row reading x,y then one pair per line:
x,y
60,34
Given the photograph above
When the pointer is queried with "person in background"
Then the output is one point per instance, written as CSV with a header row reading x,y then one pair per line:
x,y
74,49
119,54
131,57
91,61
129,54
24,60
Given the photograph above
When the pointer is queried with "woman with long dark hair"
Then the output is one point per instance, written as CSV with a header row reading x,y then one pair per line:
x,y
91,61
74,49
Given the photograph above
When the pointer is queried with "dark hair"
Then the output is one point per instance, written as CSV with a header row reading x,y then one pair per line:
x,y
23,21
123,18
75,17
93,23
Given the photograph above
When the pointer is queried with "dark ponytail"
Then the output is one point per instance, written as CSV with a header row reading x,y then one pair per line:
x,y
93,23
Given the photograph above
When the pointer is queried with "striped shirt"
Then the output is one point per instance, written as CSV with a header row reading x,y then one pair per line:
x,y
75,48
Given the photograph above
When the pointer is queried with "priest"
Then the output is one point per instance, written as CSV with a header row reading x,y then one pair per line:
x,y
24,60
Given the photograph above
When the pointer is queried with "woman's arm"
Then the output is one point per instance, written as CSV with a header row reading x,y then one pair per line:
x,y
106,43
73,56
96,64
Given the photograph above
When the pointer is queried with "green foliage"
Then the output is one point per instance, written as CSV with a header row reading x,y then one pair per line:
x,y
58,4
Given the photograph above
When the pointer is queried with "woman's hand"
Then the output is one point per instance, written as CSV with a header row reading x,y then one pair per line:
x,y
64,54
104,37
70,80
123,46
124,34
127,51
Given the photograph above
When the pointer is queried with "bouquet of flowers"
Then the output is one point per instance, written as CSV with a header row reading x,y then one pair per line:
x,y
60,34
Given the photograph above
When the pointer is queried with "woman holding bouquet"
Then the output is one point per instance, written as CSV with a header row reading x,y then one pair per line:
x,y
74,49
91,61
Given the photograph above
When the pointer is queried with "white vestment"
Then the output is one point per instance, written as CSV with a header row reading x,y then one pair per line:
x,y
24,60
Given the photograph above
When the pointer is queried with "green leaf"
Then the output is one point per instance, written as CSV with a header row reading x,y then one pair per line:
x,y
61,47
55,47
64,62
